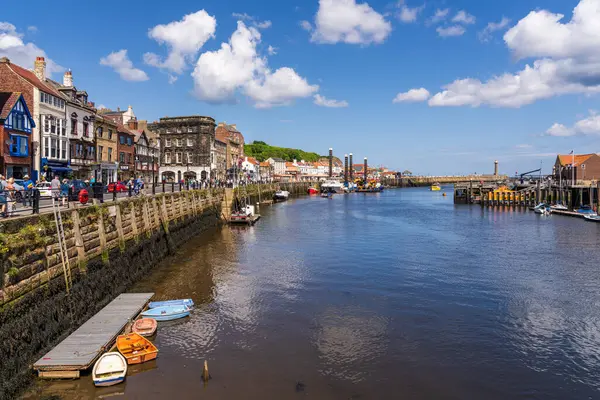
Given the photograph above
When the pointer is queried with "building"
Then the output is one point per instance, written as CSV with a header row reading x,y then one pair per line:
x,y
120,117
49,143
278,165
234,140
250,166
266,171
146,156
107,153
219,160
16,125
126,149
292,171
186,146
584,167
80,115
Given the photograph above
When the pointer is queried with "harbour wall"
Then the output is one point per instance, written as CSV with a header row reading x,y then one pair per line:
x,y
110,247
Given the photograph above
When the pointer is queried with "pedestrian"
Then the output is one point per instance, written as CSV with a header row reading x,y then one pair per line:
x,y
3,184
92,180
10,196
55,187
28,198
64,191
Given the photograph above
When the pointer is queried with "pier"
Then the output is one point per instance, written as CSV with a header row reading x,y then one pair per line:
x,y
82,348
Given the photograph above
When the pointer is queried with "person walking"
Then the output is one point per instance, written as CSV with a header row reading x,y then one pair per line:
x,y
55,187
10,196
64,191
28,197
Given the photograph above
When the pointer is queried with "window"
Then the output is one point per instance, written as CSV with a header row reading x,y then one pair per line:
x,y
179,142
190,129
73,126
189,158
46,123
62,123
19,146
110,133
46,147
121,139
167,142
53,123
18,120
178,129
122,158
128,158
85,129
129,142
99,132
91,153
53,147
167,158
100,151
169,130
190,142
63,149
178,158
109,154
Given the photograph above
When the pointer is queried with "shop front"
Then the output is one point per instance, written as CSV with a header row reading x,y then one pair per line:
x,y
125,172
51,168
106,172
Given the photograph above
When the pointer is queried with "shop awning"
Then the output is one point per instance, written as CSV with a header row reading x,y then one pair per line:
x,y
60,169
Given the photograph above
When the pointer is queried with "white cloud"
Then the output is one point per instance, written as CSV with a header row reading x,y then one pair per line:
x,y
32,29
486,34
306,26
325,102
252,20
237,66
523,146
463,17
570,62
412,96
23,54
439,15
263,25
172,79
349,22
183,38
586,126
409,14
272,50
119,61
449,31
101,106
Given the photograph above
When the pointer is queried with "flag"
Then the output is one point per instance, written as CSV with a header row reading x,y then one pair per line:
x,y
571,151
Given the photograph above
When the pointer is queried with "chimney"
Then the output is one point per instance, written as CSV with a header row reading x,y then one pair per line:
x,y
221,124
39,68
4,60
118,109
234,126
496,168
68,79
132,124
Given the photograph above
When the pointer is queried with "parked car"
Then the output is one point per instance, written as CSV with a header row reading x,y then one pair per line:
x,y
45,189
75,186
119,187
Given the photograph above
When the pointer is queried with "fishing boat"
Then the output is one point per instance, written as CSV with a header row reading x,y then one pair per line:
x,y
313,190
436,187
180,302
592,218
328,195
542,208
281,195
585,210
244,216
110,369
167,313
136,349
332,186
145,326
559,207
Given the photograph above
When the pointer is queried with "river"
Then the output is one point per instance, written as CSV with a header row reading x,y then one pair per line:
x,y
373,296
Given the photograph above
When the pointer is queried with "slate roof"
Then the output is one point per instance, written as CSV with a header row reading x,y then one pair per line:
x,y
7,102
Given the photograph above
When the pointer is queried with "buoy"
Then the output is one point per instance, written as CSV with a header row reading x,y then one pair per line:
x,y
444,194
205,375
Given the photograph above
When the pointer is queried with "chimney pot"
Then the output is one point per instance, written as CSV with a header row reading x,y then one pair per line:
x,y
39,68
4,60
68,79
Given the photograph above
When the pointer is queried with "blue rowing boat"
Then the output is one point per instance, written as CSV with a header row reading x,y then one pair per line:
x,y
167,313
181,302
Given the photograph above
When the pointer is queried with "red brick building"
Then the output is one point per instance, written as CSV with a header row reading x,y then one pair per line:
x,y
16,125
586,167
126,151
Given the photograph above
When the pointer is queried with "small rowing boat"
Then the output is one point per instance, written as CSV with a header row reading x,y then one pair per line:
x,y
110,369
180,302
167,313
145,326
136,349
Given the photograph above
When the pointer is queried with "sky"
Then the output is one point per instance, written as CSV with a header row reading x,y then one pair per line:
x,y
437,87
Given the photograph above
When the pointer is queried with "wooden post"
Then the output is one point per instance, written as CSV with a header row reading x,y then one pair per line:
x,y
181,200
119,221
145,217
134,227
78,238
591,195
101,231
469,200
580,197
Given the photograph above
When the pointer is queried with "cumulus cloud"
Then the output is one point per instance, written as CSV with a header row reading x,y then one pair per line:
x,y
452,30
409,14
350,22
325,102
120,62
14,48
439,15
32,29
463,17
252,20
183,38
412,96
569,63
486,34
237,66
306,26
271,50
586,126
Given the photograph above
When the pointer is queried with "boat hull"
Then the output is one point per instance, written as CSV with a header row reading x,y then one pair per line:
x,y
136,349
189,303
167,313
108,382
145,326
109,370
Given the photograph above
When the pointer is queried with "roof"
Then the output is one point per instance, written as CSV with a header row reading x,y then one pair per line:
x,y
31,78
7,102
265,164
277,159
568,159
229,128
253,160
123,129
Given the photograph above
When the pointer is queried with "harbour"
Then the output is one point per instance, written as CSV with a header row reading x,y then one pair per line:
x,y
404,292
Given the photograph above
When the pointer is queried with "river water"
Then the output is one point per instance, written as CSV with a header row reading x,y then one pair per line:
x,y
377,296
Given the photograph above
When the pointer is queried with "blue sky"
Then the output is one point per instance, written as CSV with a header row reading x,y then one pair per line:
x,y
355,56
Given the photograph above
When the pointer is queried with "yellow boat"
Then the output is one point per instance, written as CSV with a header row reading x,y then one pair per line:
x,y
436,187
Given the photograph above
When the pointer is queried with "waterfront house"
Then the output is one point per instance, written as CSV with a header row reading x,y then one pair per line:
x,y
16,125
266,171
250,166
234,140
186,147
292,170
146,161
107,164
126,149
584,167
278,165
219,160
49,142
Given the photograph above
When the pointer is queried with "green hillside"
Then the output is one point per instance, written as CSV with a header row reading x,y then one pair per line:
x,y
261,151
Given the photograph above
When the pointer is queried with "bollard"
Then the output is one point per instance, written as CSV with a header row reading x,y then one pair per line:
x,y
153,188
115,193
129,190
172,187
180,185
163,186
36,201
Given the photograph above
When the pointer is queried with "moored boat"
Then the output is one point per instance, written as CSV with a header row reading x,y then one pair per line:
x,y
332,186
281,195
167,313
145,326
542,208
179,302
110,369
559,207
136,349
592,218
586,210
312,190
436,187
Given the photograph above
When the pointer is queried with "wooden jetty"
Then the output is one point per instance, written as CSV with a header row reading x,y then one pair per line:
x,y
82,348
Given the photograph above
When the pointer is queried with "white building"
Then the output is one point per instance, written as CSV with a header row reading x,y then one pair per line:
x,y
250,166
278,165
